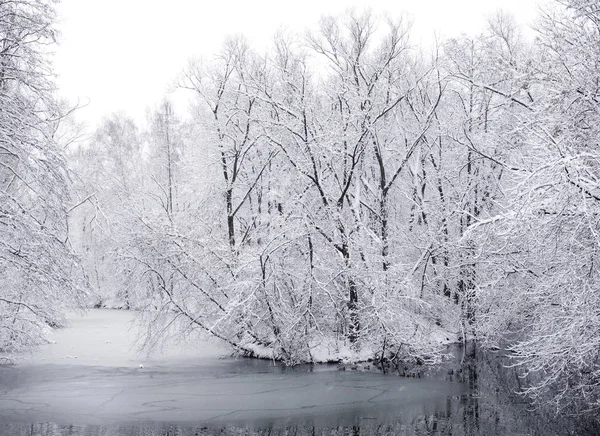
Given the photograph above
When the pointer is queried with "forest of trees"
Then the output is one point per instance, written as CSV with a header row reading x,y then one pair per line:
x,y
343,195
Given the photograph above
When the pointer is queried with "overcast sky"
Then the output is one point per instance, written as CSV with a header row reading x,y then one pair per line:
x,y
123,54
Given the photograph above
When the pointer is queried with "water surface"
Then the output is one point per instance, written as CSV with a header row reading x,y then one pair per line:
x,y
92,381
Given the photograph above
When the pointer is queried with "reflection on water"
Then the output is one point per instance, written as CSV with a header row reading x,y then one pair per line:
x,y
463,416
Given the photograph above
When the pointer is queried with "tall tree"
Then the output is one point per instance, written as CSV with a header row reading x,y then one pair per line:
x,y
544,297
37,268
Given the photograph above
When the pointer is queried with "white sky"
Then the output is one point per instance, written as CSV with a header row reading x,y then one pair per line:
x,y
123,54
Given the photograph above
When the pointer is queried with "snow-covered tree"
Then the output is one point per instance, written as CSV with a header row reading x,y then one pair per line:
x,y
542,295
37,268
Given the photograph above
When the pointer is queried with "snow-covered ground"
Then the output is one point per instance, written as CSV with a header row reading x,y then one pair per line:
x,y
108,337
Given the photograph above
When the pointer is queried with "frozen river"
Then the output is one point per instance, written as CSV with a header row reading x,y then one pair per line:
x,y
93,382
